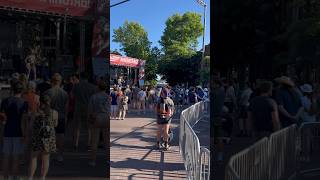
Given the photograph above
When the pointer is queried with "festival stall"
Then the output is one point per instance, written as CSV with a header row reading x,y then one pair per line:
x,y
130,69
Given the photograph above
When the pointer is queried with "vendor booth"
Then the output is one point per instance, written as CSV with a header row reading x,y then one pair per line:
x,y
131,70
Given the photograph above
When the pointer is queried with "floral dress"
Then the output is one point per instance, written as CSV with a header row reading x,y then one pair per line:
x,y
43,137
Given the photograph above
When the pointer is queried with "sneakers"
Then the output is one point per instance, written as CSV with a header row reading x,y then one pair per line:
x,y
166,146
92,163
158,145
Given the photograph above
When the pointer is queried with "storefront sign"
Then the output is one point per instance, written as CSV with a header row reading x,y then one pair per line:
x,y
69,7
125,61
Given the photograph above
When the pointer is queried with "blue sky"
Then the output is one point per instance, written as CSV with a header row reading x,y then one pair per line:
x,y
152,15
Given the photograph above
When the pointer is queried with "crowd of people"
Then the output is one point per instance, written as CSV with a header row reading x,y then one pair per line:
x,y
143,99
258,109
37,115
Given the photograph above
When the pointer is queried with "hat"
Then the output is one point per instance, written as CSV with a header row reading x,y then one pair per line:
x,y
56,77
32,85
306,88
15,75
284,80
205,89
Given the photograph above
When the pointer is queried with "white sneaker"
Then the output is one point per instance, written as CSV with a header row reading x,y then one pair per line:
x,y
92,163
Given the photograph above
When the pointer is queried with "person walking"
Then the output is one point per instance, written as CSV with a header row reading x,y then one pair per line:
x,y
59,102
15,112
165,110
43,139
263,116
82,92
98,110
244,104
309,104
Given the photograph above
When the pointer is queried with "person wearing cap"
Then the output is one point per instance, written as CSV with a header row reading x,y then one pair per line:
x,y
59,102
98,111
288,100
309,105
16,114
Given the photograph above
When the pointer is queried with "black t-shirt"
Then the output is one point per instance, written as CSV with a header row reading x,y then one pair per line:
x,y
43,87
261,108
192,97
14,108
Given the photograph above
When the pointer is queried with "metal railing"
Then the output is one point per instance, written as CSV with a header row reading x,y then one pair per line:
x,y
270,158
309,140
204,163
190,145
249,164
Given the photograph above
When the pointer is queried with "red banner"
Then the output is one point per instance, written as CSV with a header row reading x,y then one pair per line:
x,y
69,7
125,61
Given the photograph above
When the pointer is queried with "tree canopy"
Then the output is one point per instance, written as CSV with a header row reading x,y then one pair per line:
x,y
179,39
133,40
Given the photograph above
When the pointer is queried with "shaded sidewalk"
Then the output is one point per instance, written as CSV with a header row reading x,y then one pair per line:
x,y
133,155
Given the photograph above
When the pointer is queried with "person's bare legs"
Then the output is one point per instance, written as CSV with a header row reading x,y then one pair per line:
x,y
5,166
33,164
166,132
76,133
123,114
45,158
160,127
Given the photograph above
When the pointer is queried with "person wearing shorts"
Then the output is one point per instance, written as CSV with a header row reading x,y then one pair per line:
x,y
59,101
164,118
15,110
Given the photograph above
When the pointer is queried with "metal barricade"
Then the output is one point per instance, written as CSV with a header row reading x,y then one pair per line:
x,y
189,142
204,163
249,164
283,153
310,140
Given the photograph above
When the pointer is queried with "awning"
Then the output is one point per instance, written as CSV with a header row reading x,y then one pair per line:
x,y
125,61
62,7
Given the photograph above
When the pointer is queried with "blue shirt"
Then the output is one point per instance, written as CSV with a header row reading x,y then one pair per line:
x,y
114,98
14,108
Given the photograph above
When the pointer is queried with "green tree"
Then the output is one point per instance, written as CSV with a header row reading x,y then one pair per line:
x,y
151,67
179,39
133,40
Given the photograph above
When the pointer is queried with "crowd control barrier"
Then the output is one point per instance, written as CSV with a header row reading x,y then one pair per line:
x,y
272,158
249,164
190,148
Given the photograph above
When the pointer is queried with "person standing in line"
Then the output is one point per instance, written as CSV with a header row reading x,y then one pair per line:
x,y
98,116
82,92
15,112
218,104
231,98
128,93
142,101
244,104
263,116
165,110
192,96
122,106
309,104
43,138
43,86
289,101
114,103
33,101
135,91
59,102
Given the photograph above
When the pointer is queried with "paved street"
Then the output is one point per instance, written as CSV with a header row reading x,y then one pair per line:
x,y
75,164
133,155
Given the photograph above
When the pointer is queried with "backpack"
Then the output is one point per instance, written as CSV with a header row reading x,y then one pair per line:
x,y
163,109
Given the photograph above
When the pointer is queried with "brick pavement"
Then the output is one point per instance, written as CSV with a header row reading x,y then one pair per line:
x,y
133,155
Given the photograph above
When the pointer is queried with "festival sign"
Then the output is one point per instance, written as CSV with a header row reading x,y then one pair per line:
x,y
124,61
62,7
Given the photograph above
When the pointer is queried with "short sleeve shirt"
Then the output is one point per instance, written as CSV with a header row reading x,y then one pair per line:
x,y
59,100
14,108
